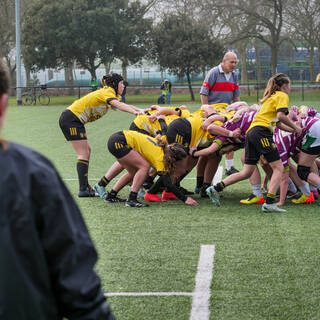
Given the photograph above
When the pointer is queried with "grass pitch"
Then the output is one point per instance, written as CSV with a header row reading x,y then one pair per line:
x,y
265,265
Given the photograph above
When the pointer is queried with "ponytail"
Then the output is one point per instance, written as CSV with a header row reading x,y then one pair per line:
x,y
172,153
274,84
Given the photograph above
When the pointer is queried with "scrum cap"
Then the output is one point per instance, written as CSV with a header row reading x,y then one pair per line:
x,y
112,80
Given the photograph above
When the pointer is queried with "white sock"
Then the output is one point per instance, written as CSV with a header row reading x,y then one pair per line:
x,y
312,188
292,187
256,190
305,189
229,164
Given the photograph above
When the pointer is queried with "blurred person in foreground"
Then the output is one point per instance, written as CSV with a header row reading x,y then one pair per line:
x,y
47,255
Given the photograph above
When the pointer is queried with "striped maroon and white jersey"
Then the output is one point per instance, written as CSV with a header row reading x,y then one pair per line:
x,y
243,124
306,124
287,144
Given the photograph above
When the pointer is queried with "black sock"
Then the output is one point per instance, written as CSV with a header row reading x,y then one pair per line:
x,y
181,178
200,182
113,193
149,179
205,185
270,198
157,186
103,182
82,169
133,196
220,186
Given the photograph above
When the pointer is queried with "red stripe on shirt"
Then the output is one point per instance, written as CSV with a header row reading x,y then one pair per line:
x,y
224,86
221,86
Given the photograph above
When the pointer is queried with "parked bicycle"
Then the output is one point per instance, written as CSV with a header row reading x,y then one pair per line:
x,y
36,94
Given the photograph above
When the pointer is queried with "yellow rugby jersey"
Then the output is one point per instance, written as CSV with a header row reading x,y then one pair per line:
x,y
94,105
222,110
147,146
199,138
185,113
228,115
198,113
142,121
221,107
267,115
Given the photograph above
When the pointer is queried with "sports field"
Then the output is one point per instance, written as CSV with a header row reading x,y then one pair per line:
x,y
171,261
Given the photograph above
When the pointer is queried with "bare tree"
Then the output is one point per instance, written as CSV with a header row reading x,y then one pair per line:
x,y
304,23
7,33
258,63
231,38
265,22
199,13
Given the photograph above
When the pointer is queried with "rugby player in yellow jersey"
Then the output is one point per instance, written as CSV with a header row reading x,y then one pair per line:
x,y
157,120
189,133
153,122
216,115
259,140
224,108
87,109
137,152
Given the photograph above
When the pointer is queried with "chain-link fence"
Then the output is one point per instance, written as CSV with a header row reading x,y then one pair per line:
x,y
253,91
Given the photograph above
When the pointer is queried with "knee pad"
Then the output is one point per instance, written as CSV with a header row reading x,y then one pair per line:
x,y
303,172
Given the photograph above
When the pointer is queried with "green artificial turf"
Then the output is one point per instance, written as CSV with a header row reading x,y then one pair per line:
x,y
265,265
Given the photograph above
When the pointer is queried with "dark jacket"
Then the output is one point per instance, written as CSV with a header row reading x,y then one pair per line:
x,y
46,254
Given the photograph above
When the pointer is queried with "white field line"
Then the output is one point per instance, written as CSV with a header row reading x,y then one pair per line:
x,y
201,294
201,297
217,177
142,294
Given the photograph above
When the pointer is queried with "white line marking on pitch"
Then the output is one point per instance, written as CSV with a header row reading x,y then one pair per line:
x,y
201,294
142,294
200,301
